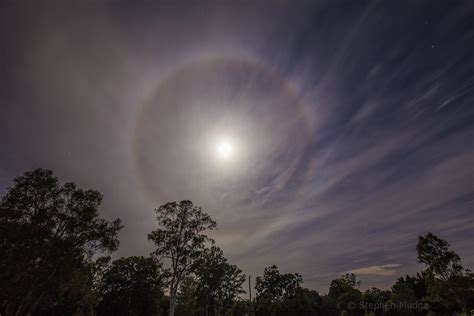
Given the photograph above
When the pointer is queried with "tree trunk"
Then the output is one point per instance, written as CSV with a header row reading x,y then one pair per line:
x,y
172,302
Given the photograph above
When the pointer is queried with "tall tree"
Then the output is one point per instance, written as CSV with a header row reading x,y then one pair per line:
x,y
439,260
131,286
180,240
274,286
282,294
48,234
345,295
446,277
219,282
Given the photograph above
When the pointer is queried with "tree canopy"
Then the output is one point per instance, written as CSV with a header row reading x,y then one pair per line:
x,y
49,232
180,240
218,282
55,259
131,286
282,294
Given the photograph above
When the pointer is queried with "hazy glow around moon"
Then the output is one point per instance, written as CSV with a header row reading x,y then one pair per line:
x,y
220,133
224,149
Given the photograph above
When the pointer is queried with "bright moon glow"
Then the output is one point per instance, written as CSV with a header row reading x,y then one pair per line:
x,y
224,149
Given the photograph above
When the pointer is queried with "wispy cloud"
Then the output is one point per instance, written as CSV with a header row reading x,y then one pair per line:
x,y
356,142
383,270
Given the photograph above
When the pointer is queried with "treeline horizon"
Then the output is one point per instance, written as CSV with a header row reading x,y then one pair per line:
x,y
55,260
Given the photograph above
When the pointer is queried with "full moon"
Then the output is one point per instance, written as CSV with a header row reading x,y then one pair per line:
x,y
224,149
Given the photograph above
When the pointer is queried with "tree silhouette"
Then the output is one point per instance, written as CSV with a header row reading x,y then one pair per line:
x,y
344,294
282,294
275,286
131,286
180,239
52,239
49,233
218,282
446,277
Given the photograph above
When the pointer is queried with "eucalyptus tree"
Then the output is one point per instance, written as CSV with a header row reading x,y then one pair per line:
x,y
446,277
180,240
49,233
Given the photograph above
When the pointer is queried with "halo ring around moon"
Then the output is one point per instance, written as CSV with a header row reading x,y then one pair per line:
x,y
143,176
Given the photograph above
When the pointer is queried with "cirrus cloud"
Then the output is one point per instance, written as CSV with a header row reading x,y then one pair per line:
x,y
382,270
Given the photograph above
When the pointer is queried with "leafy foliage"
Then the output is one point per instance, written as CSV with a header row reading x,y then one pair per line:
x,y
49,233
408,293
282,294
274,286
131,286
218,282
448,281
434,253
180,239
51,237
375,301
188,297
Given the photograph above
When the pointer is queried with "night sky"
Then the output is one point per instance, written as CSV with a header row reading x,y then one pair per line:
x,y
322,136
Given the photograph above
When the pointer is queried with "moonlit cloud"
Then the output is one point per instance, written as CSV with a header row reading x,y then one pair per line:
x,y
383,270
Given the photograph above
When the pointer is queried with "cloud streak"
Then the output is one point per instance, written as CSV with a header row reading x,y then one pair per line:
x,y
383,270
